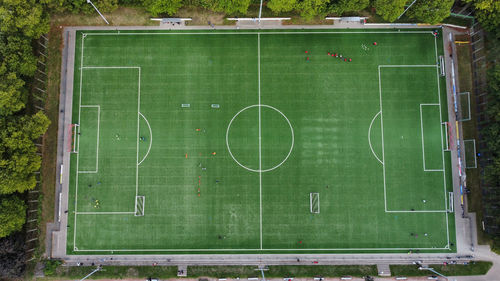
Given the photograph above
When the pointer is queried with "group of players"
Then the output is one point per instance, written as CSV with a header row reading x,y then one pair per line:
x,y
346,59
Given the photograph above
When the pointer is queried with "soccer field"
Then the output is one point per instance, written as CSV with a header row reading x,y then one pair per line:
x,y
259,142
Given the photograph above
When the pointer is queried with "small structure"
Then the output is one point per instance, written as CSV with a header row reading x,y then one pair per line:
x,y
171,22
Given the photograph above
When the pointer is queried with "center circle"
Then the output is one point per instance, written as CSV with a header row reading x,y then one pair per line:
x,y
257,133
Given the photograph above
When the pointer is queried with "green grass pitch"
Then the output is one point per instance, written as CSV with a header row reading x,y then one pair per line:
x,y
161,168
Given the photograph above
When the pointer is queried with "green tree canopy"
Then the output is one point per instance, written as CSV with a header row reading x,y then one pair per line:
x,y
311,8
157,7
227,6
12,215
16,55
341,6
12,93
430,11
76,6
389,10
488,13
24,16
278,6
18,158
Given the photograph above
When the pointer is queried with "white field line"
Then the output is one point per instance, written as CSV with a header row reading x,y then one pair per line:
x,y
422,134
382,130
369,140
150,139
97,143
104,213
420,211
260,142
223,250
78,154
383,150
409,65
442,150
137,137
249,33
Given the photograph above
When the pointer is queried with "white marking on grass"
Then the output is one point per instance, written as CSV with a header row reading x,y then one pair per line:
x,y
382,130
256,170
78,154
250,33
264,249
260,141
137,149
442,150
97,142
369,140
150,139
422,135
104,213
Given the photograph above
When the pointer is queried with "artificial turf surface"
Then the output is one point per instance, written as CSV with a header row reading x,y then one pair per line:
x,y
366,135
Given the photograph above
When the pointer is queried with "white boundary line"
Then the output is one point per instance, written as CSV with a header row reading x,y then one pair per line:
x,y
150,141
104,213
447,247
422,134
233,250
442,150
369,135
256,32
97,142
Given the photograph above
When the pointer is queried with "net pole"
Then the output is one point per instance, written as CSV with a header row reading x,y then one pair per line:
x,y
260,10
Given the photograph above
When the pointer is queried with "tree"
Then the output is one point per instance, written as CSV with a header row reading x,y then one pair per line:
x,y
12,255
24,16
12,93
341,6
157,7
77,6
16,55
18,158
311,8
488,13
227,6
12,215
278,6
430,11
389,10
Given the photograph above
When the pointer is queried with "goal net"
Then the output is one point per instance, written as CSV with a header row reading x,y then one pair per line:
x,y
314,202
139,206
73,133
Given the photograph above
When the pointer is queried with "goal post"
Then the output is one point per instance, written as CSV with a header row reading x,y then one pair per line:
x,y
139,206
314,202
73,134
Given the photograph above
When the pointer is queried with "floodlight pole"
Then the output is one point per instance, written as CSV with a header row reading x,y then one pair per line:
x,y
407,9
88,275
433,271
90,2
260,10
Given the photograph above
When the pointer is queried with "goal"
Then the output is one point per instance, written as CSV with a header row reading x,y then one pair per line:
x,y
73,133
139,206
314,202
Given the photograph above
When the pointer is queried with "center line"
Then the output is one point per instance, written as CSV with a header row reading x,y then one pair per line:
x,y
260,142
